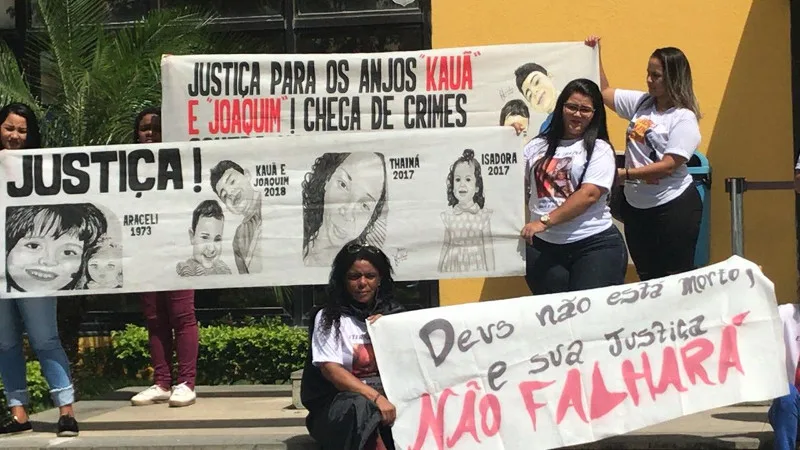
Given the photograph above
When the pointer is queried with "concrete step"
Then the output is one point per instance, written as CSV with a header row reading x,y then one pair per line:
x,y
263,417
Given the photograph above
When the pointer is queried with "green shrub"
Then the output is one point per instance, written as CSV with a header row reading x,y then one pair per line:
x,y
38,391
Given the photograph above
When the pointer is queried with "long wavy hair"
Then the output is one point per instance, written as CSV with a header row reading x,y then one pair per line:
x,y
554,133
33,138
314,198
468,157
337,294
678,78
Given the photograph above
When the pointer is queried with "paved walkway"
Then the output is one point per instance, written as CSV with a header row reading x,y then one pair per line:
x,y
261,417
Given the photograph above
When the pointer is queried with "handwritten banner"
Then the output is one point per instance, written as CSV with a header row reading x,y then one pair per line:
x,y
229,96
565,369
440,203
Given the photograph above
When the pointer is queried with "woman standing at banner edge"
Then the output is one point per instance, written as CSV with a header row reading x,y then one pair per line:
x,y
166,312
19,130
570,169
341,386
661,208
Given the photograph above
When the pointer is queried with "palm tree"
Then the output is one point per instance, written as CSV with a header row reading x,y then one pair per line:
x,y
92,80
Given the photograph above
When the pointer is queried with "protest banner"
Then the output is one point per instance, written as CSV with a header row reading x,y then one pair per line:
x,y
564,369
266,212
229,96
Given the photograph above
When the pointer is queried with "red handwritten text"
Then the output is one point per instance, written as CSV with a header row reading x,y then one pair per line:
x,y
448,73
244,116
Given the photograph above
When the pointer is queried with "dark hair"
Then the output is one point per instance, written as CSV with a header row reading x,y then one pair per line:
x,y
83,220
219,170
468,157
524,70
336,290
314,197
597,128
677,78
33,138
151,110
514,108
206,208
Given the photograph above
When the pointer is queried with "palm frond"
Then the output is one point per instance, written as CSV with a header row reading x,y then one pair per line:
x,y
13,87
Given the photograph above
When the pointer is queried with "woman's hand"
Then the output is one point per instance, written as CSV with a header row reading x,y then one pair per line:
x,y
592,41
388,411
518,128
531,229
372,319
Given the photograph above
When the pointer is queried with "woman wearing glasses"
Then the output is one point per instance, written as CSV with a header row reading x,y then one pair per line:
x,y
570,168
662,209
341,386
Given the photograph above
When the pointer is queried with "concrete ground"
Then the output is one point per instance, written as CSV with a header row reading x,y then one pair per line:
x,y
262,417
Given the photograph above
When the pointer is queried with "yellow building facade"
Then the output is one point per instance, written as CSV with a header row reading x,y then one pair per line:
x,y
740,55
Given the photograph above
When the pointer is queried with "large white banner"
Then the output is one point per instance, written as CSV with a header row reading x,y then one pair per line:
x,y
564,369
228,96
260,212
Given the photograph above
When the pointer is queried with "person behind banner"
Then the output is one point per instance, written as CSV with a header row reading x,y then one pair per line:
x,y
37,317
660,207
536,85
344,199
167,312
341,386
232,185
205,235
784,412
467,245
569,172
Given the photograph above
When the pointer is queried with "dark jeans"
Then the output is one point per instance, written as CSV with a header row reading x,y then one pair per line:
x,y
165,312
662,240
596,261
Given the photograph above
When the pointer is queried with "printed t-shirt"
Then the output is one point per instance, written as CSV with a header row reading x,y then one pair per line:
x,y
561,179
651,135
353,349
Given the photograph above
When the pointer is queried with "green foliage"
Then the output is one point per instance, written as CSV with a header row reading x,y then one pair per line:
x,y
38,391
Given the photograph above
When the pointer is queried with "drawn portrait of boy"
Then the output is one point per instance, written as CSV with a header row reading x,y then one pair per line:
x,y
205,235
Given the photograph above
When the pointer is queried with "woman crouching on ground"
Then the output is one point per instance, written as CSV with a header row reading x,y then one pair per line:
x,y
341,386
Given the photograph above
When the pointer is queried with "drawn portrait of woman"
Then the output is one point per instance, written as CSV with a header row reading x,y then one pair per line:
x,y
344,199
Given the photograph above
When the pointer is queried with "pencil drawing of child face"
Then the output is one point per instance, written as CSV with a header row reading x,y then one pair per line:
x,y
351,194
464,182
538,89
235,191
105,267
42,261
206,241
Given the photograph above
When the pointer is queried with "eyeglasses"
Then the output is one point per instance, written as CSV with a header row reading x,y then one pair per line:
x,y
572,108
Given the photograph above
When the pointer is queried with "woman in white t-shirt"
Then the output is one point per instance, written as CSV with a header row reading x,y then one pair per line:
x,y
570,169
662,209
341,386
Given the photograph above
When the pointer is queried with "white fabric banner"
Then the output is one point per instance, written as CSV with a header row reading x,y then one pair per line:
x,y
565,369
265,212
227,96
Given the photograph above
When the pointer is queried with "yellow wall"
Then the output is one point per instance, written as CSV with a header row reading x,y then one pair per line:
x,y
740,56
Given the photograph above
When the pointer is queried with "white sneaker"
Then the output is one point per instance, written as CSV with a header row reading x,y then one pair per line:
x,y
153,394
182,395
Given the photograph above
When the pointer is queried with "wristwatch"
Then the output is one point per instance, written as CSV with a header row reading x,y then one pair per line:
x,y
545,219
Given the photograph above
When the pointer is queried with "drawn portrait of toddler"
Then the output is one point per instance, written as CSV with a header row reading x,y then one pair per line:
x,y
48,247
344,199
104,269
205,235
467,245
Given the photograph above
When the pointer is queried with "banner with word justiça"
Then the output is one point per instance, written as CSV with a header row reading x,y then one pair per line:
x,y
227,96
564,369
260,212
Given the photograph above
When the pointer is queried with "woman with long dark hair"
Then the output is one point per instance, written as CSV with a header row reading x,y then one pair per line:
x,y
19,130
570,169
661,209
167,312
341,386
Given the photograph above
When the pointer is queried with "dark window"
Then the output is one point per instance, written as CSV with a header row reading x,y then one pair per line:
x,y
232,8
326,6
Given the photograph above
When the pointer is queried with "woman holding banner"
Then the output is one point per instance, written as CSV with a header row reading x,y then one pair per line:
x,y
19,130
569,172
661,208
341,386
166,312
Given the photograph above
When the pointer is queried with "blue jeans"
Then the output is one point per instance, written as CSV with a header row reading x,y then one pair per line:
x,y
783,416
38,318
597,261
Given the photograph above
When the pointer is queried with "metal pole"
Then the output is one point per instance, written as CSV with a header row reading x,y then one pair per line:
x,y
736,187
